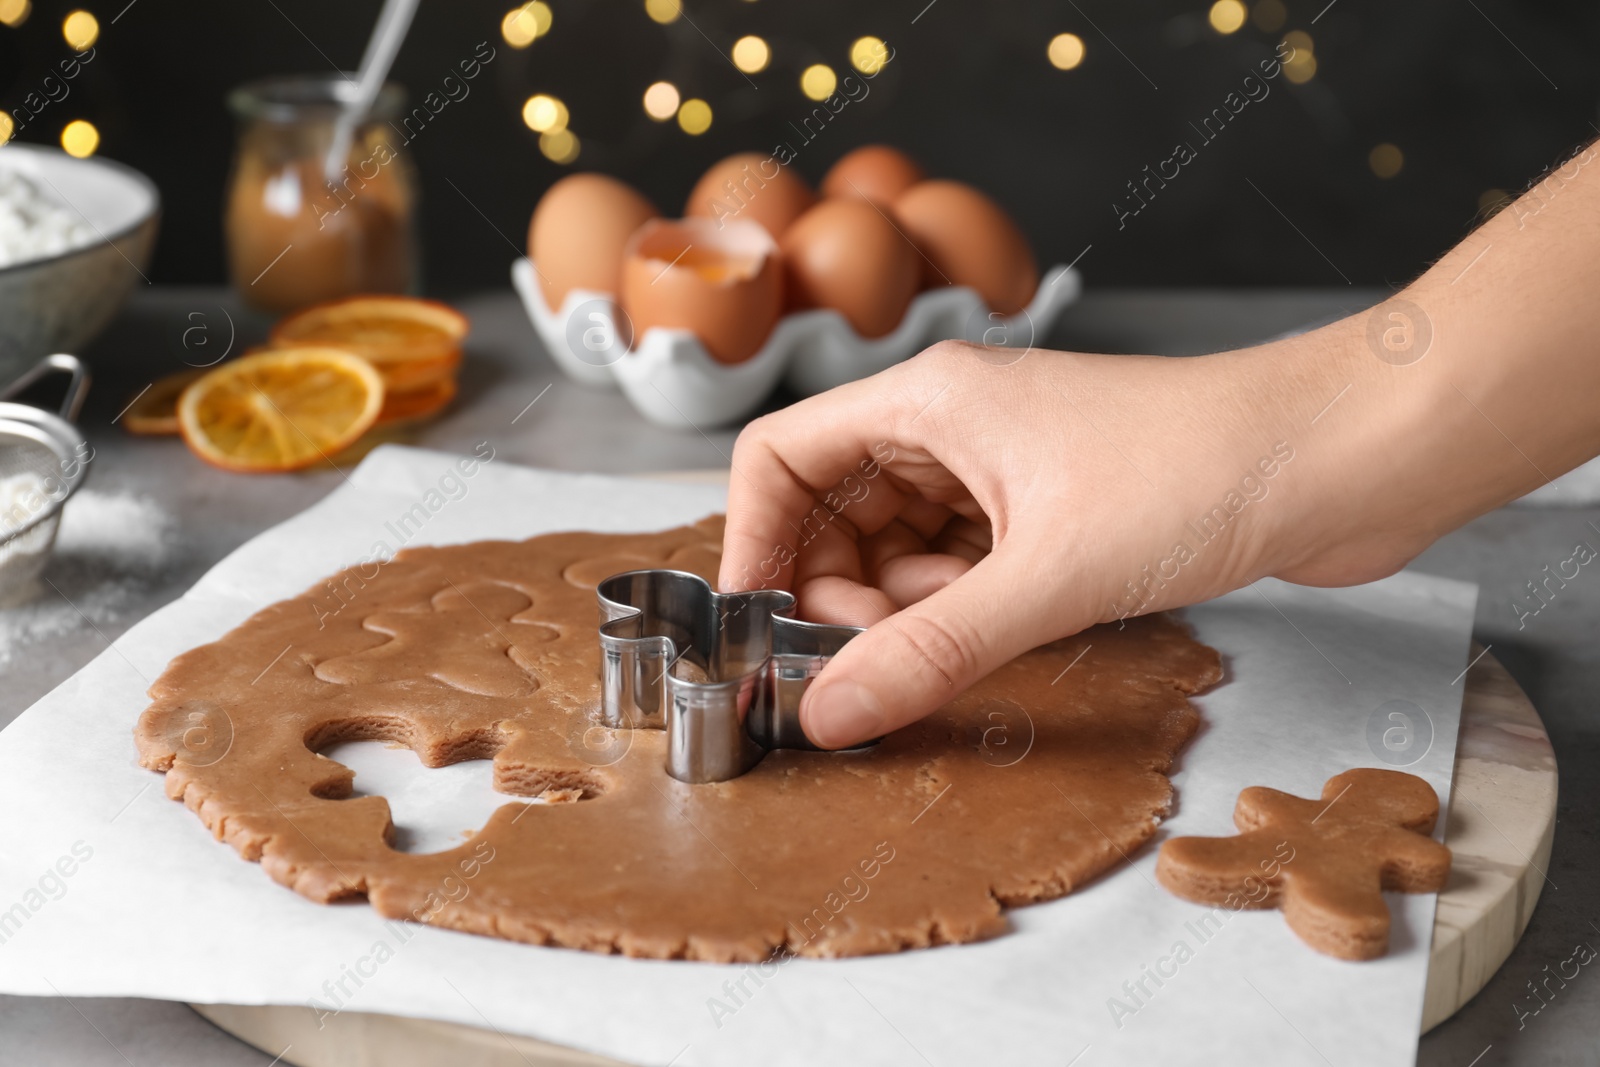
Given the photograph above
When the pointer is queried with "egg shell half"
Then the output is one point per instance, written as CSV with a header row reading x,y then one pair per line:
x,y
722,281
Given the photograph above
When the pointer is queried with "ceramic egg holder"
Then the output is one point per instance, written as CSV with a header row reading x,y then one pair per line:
x,y
672,381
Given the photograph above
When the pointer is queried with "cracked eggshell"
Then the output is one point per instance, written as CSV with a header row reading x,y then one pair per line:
x,y
721,281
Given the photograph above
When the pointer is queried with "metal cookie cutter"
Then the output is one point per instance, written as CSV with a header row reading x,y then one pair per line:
x,y
749,659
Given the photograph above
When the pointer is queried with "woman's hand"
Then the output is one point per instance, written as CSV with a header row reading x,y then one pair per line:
x,y
969,505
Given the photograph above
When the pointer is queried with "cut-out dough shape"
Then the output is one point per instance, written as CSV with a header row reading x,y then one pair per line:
x,y
1325,862
920,840
465,638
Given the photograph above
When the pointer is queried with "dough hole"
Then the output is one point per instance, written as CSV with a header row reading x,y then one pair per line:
x,y
473,745
433,808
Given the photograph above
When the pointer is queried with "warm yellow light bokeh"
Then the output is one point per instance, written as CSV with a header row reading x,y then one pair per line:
x,y
545,114
869,54
1226,16
751,54
818,81
1492,200
694,116
1386,160
1269,15
663,11
661,101
559,146
7,127
1301,68
1066,51
523,25
81,30
80,138
15,12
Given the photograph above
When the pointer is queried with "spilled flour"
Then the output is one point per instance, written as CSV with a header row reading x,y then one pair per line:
x,y
111,547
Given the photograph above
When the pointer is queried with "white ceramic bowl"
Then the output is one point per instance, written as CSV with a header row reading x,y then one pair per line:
x,y
59,304
668,376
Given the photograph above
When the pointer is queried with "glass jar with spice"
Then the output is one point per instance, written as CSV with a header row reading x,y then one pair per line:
x,y
297,236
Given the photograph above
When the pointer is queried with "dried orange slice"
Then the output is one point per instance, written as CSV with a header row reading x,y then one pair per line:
x,y
412,342
417,403
280,410
154,412
406,375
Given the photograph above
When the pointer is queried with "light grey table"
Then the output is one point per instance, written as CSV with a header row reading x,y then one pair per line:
x,y
1555,657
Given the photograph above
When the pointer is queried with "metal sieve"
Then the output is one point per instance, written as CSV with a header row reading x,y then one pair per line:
x,y
43,461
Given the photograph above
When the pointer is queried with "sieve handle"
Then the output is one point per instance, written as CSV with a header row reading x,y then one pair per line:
x,y
77,388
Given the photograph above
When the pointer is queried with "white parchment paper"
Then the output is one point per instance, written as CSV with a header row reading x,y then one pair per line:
x,y
107,888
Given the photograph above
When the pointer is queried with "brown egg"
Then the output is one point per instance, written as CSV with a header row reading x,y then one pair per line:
x,y
723,282
844,254
754,187
969,240
579,233
875,171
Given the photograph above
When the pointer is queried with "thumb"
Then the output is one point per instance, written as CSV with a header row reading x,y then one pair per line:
x,y
916,660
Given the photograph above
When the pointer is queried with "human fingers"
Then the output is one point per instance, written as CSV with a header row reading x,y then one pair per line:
x,y
916,659
786,464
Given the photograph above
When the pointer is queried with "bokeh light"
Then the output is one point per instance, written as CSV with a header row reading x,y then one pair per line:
x,y
694,117
15,12
80,138
1066,51
1269,15
1226,16
1301,66
1301,69
869,54
523,25
1493,200
545,114
661,101
559,146
751,54
1386,160
7,127
81,30
663,11
818,81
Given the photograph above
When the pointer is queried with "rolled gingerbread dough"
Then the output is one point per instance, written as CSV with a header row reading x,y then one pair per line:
x,y
1020,790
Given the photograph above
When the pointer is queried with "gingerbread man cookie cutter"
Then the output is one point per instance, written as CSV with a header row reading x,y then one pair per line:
x,y
721,673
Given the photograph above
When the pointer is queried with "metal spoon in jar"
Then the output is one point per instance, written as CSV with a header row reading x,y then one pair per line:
x,y
387,34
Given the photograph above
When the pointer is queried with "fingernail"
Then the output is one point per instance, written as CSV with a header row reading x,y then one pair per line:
x,y
843,713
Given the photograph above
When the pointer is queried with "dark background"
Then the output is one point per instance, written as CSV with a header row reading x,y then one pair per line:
x,y
1480,95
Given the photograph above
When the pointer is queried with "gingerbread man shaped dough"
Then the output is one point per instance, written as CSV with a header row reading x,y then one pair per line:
x,y
1324,863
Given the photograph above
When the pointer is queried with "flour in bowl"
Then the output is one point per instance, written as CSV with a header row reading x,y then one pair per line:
x,y
33,225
